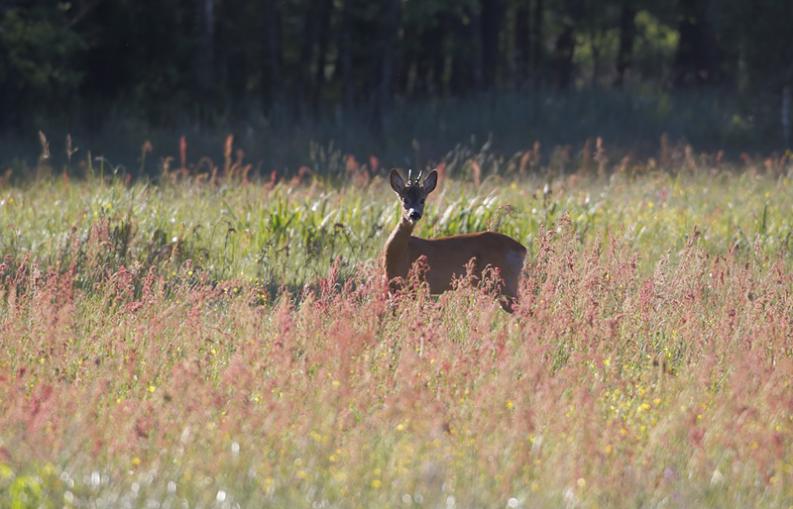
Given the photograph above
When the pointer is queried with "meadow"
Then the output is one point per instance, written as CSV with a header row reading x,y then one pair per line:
x,y
220,340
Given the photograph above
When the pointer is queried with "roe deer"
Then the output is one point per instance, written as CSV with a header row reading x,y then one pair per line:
x,y
447,257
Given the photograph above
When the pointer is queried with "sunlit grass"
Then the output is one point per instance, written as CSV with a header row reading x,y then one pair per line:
x,y
290,235
202,344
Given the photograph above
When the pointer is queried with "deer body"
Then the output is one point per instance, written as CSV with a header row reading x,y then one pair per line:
x,y
447,258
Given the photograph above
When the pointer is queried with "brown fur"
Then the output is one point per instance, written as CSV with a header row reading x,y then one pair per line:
x,y
447,258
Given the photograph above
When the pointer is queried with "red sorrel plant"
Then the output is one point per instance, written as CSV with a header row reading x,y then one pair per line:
x,y
620,380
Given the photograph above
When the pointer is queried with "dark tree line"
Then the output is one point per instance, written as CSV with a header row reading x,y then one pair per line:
x,y
214,61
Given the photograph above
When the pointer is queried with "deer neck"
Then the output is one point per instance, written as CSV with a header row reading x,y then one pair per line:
x,y
397,254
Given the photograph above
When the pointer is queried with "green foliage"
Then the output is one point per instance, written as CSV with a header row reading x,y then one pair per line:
x,y
285,62
37,59
764,46
25,493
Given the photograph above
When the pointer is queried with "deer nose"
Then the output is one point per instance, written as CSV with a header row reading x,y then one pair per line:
x,y
414,215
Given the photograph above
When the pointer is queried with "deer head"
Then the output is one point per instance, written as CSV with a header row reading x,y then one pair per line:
x,y
413,193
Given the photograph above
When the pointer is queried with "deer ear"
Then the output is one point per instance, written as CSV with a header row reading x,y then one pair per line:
x,y
430,182
397,182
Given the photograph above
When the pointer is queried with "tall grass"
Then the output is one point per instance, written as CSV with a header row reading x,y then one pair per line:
x,y
291,232
231,344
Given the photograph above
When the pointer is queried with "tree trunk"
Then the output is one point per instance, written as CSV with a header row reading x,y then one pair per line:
x,y
476,58
491,21
537,42
522,43
563,56
272,55
462,46
345,56
388,44
324,13
627,37
308,44
205,49
695,58
430,62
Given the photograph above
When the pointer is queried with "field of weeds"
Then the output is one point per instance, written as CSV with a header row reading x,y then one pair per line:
x,y
228,343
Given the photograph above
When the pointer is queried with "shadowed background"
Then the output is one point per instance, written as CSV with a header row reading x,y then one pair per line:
x,y
403,79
